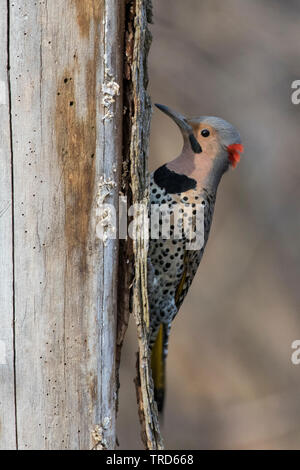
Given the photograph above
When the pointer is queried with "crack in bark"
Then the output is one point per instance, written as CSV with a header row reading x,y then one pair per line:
x,y
137,127
12,217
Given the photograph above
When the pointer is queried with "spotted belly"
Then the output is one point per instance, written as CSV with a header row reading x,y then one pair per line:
x,y
172,266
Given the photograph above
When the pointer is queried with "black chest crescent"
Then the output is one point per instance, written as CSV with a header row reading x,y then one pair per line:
x,y
173,182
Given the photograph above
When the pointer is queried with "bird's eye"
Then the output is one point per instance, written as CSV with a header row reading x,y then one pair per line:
x,y
205,133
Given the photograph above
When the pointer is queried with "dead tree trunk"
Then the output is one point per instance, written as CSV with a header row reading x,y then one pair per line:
x,y
67,147
138,40
61,147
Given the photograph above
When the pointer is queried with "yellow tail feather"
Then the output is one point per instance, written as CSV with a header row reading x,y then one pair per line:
x,y
158,368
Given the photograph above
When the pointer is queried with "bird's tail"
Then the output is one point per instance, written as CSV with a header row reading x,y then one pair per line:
x,y
158,367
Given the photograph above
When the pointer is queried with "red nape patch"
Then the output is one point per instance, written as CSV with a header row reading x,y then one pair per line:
x,y
234,151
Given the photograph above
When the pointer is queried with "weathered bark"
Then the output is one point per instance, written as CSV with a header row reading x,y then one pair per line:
x,y
65,114
7,392
63,154
137,43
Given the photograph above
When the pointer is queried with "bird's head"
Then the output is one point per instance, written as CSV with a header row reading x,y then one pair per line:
x,y
211,136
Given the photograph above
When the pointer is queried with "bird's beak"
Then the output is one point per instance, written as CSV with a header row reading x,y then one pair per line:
x,y
183,125
178,118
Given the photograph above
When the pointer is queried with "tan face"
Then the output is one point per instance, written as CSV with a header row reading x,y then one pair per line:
x,y
207,137
216,140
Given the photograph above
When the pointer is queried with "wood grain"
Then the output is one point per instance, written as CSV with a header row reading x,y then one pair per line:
x,y
138,44
66,136
7,405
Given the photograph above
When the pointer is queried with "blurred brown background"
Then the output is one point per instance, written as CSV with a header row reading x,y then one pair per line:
x,y
231,383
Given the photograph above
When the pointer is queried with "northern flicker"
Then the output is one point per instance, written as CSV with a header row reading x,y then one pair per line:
x,y
189,182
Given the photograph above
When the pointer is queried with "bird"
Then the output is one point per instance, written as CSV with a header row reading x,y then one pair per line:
x,y
189,182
